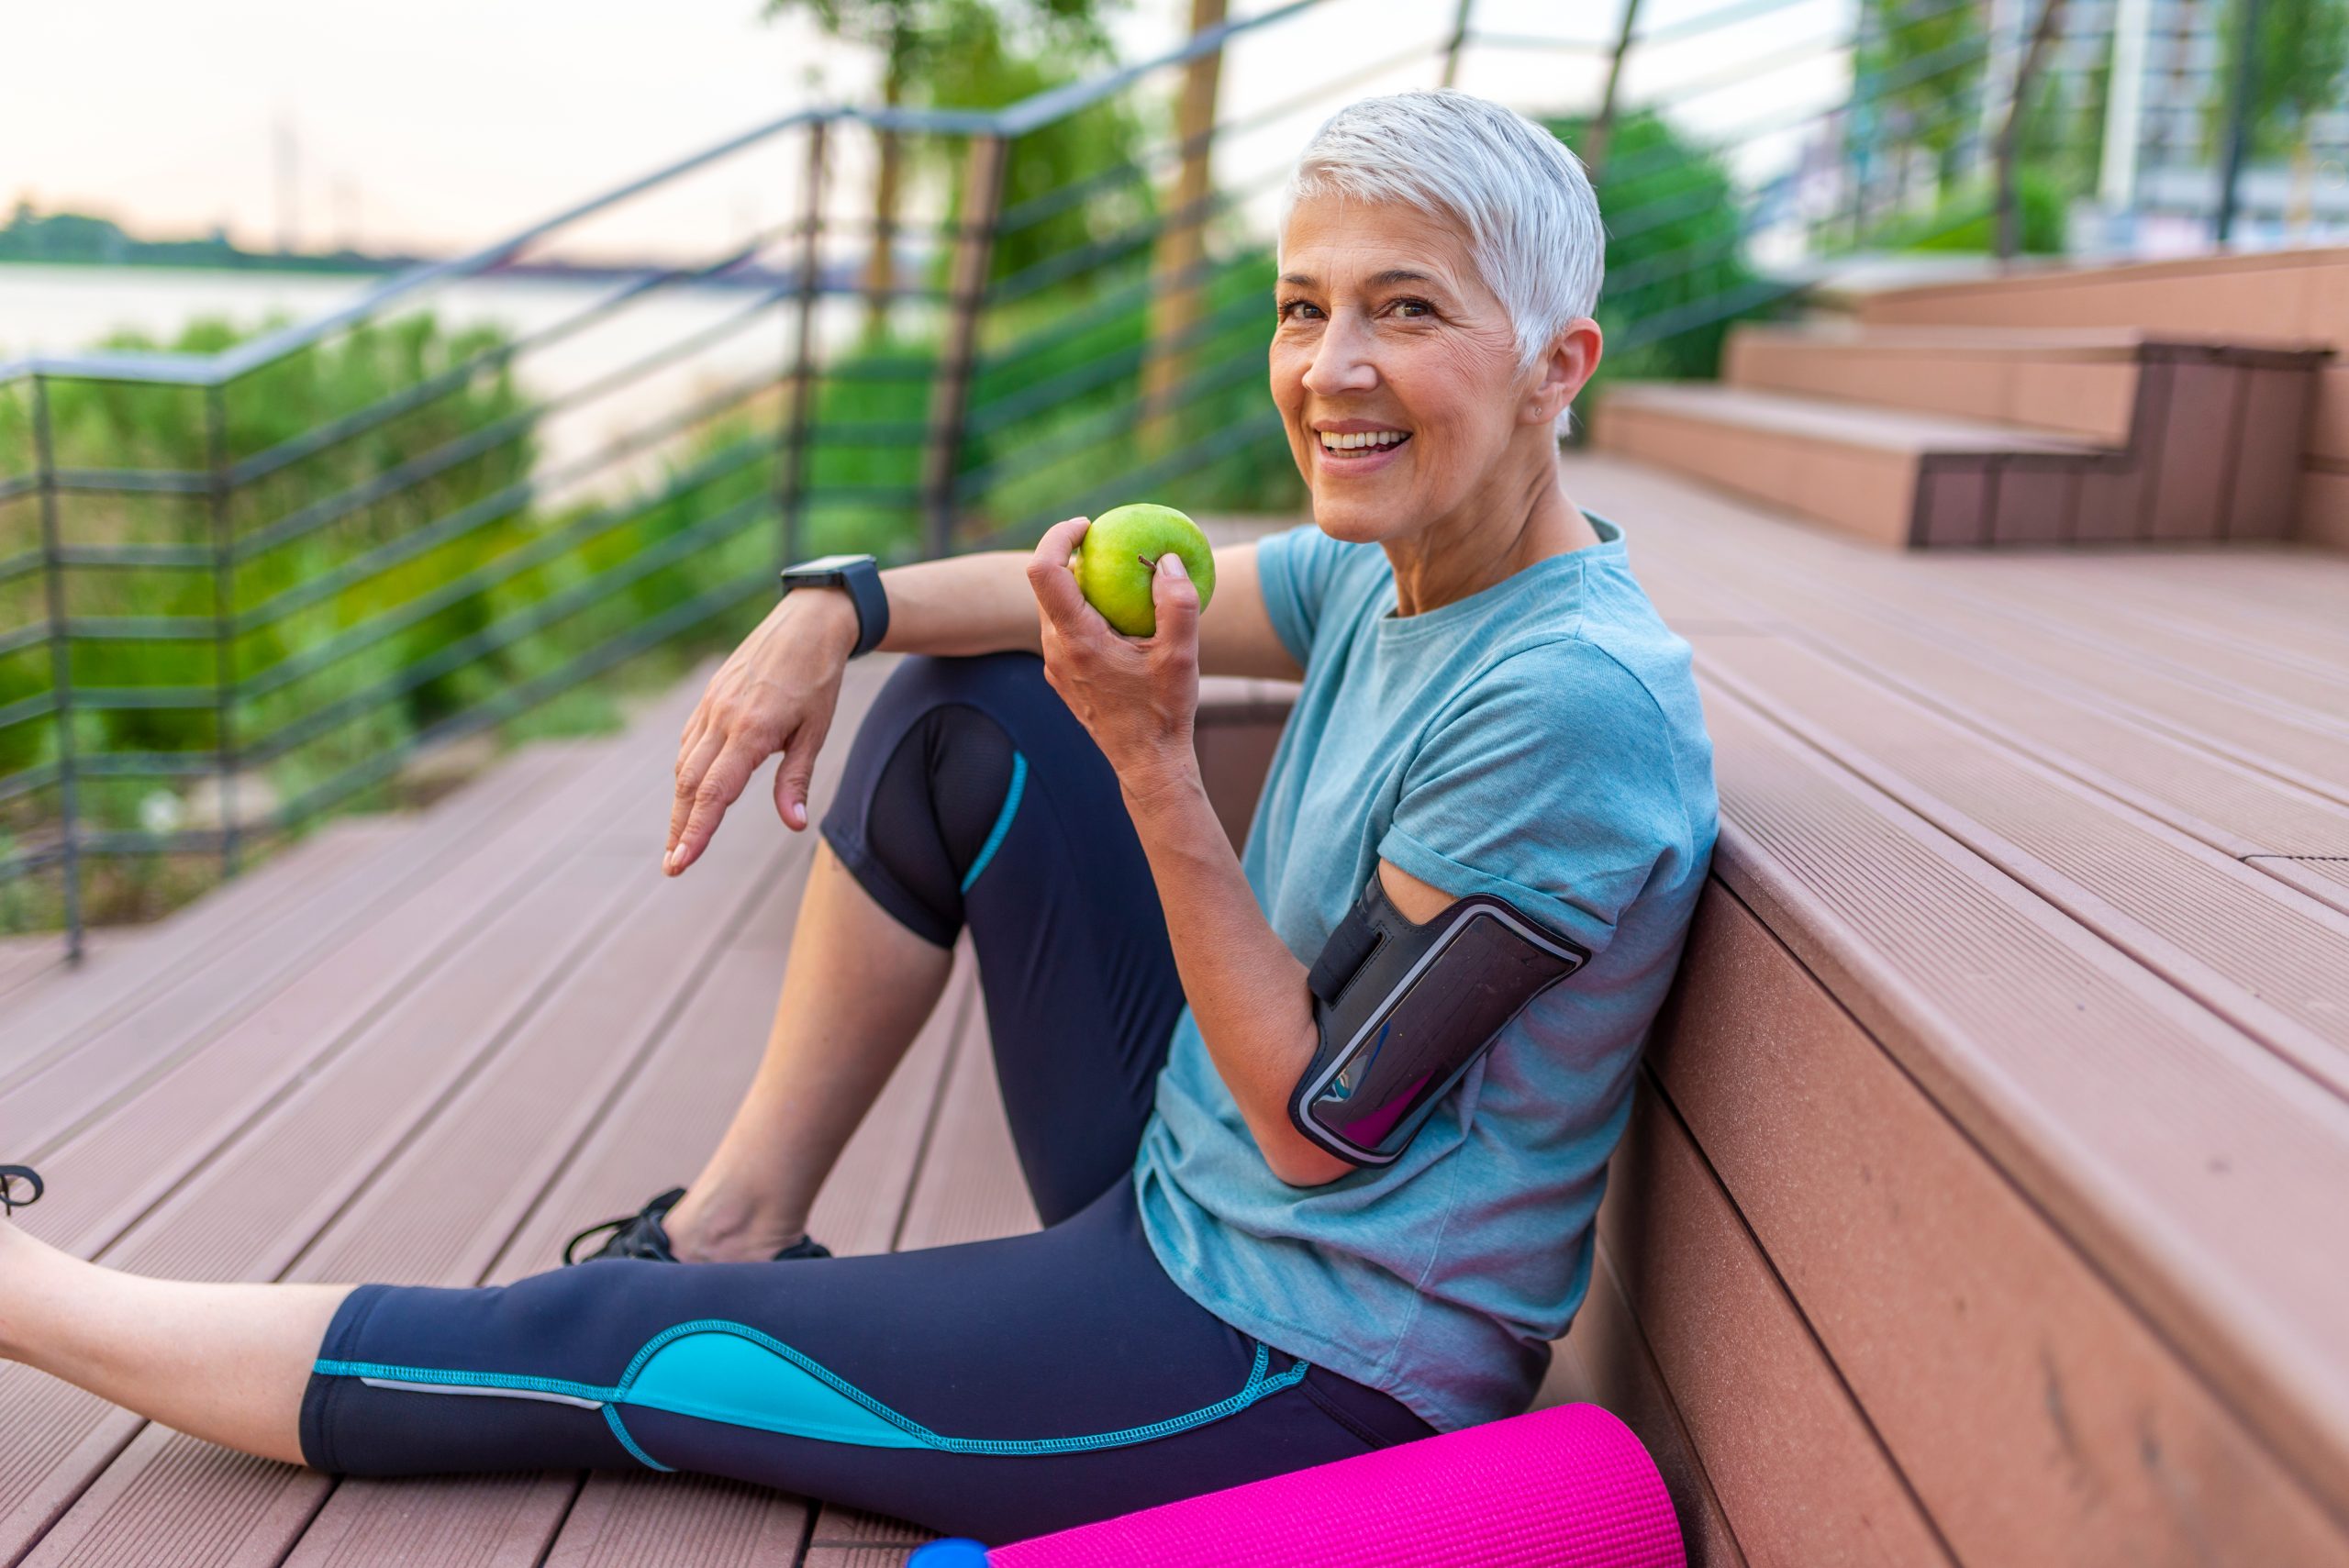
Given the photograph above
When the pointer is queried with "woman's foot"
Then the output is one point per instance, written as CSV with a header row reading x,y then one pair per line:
x,y
651,1233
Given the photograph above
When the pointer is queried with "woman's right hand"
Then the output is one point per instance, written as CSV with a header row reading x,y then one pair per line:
x,y
777,691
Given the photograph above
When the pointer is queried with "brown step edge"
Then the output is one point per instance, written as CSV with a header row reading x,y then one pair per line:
x,y
1897,479
2039,1418
1800,1474
2182,1158
435,1216
2286,293
1603,1360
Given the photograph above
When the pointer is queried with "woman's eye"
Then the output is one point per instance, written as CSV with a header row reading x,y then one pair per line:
x,y
1413,307
1291,308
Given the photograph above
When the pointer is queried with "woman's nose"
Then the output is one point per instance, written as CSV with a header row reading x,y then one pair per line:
x,y
1341,362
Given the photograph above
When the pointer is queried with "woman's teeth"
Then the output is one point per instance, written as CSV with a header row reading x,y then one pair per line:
x,y
1334,442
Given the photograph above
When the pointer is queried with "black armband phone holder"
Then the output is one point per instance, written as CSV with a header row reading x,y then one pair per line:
x,y
1404,1010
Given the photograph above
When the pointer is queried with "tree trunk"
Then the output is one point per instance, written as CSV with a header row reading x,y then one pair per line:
x,y
1180,262
881,262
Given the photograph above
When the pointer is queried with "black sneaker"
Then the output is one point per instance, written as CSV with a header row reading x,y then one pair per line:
x,y
20,1188
641,1235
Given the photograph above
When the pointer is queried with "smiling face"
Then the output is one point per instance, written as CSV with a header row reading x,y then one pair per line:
x,y
1396,372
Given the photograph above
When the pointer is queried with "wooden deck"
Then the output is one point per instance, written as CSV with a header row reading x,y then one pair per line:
x,y
1983,1203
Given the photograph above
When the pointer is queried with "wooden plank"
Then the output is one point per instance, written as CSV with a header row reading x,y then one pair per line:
x,y
844,1538
455,1521
2181,1156
265,924
2037,1415
108,1128
2236,810
315,1147
251,1210
2299,744
2275,965
1801,1475
2322,877
81,1074
642,1521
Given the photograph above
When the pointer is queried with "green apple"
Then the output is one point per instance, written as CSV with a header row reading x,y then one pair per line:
x,y
1119,554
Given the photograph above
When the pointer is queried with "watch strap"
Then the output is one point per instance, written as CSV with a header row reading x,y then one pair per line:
x,y
863,581
860,576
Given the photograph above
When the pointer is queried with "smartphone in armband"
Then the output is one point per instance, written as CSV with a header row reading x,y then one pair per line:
x,y
1405,1010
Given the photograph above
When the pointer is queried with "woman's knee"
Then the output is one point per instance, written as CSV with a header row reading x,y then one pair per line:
x,y
932,774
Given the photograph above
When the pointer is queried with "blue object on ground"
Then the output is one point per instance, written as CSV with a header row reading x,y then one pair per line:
x,y
954,1552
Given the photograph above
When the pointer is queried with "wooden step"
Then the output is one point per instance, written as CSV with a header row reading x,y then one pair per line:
x,y
2290,294
1892,477
2076,382
1974,438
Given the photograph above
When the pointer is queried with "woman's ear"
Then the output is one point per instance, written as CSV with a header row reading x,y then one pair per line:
x,y
1572,359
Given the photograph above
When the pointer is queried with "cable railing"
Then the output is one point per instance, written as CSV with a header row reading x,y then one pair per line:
x,y
243,584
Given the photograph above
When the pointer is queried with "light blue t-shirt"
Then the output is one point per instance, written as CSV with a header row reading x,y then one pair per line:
x,y
1539,740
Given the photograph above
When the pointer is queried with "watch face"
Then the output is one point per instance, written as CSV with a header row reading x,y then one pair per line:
x,y
826,564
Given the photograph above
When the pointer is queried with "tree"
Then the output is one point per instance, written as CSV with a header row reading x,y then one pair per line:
x,y
2298,57
927,45
1917,76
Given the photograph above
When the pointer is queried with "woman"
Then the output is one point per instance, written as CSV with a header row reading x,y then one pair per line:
x,y
1490,706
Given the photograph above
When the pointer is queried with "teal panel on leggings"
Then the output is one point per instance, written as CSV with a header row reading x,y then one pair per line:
x,y
721,1376
718,1371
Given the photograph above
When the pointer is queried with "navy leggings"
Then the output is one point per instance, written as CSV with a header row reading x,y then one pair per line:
x,y
997,1389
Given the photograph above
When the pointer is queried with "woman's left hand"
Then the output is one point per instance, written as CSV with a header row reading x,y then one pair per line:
x,y
1136,695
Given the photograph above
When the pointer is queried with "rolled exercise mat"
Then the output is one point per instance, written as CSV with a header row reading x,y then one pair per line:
x,y
1566,1487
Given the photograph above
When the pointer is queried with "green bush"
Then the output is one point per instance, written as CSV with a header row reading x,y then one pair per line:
x,y
1967,221
1677,276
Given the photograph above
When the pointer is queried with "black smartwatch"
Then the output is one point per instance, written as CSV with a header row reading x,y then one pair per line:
x,y
861,575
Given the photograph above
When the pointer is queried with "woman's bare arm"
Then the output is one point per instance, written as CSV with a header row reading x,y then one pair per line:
x,y
777,691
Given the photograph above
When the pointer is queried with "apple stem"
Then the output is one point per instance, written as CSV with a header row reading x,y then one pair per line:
x,y
1147,563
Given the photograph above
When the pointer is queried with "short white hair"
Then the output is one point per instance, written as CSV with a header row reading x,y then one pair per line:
x,y
1531,217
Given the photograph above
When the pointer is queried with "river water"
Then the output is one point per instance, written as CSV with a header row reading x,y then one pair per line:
x,y
54,310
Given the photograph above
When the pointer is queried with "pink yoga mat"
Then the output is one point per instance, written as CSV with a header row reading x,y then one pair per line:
x,y
1566,1487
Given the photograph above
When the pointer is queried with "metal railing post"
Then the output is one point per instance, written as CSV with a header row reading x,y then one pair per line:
x,y
791,458
224,615
2238,117
61,666
967,296
2009,218
1455,43
1602,124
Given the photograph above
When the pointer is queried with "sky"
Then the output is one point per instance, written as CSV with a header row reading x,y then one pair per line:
x,y
440,124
